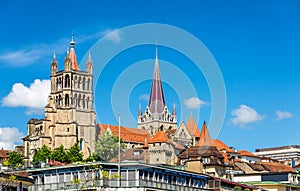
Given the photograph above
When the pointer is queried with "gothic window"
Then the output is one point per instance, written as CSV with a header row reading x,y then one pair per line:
x,y
79,100
161,128
59,99
75,100
75,81
79,81
67,100
87,102
88,84
83,83
83,101
67,81
80,144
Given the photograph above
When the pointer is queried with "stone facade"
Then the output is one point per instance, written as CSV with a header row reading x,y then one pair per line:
x,y
69,114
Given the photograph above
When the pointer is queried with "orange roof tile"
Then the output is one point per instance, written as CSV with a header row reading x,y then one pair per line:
x,y
72,56
160,137
127,134
221,146
193,128
246,153
276,167
204,136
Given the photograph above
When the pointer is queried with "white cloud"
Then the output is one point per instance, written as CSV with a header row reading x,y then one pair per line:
x,y
113,34
144,97
34,97
194,103
283,115
9,137
245,115
36,52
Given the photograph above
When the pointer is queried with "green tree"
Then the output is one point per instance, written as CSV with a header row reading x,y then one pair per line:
x,y
74,154
15,159
60,154
106,147
42,155
93,158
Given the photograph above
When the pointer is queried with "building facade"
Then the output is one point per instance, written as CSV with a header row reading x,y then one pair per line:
x,y
69,114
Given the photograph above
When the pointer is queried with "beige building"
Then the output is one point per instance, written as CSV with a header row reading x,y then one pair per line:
x,y
69,114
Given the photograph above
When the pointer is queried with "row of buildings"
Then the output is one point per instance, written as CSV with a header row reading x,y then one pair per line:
x,y
160,155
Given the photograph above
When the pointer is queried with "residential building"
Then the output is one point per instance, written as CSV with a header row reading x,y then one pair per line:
x,y
290,153
134,176
17,182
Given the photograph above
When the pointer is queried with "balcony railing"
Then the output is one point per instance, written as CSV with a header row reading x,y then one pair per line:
x,y
97,184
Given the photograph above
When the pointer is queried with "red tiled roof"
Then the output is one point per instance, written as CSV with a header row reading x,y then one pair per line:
x,y
160,137
246,153
193,128
127,134
73,59
221,146
276,167
204,136
4,153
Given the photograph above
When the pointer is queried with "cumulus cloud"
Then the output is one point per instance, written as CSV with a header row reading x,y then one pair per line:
x,y
9,137
245,115
194,103
144,97
283,115
34,97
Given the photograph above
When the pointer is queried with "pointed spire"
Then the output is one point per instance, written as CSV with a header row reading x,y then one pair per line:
x,y
72,54
157,100
174,109
205,139
89,57
54,58
140,110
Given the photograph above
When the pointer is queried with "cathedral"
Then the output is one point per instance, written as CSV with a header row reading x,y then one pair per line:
x,y
70,117
69,114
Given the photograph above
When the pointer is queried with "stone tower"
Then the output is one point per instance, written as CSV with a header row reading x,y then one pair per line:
x,y
69,115
157,116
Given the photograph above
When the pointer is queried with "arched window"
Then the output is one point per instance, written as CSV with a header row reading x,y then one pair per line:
x,y
88,84
80,144
75,81
161,128
87,102
83,101
83,83
75,100
79,100
79,81
67,81
59,99
67,100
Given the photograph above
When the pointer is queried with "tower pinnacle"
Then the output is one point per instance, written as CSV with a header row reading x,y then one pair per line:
x,y
157,100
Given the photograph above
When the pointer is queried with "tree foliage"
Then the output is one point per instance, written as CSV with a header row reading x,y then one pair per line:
x,y
15,160
74,154
93,158
42,155
60,154
106,147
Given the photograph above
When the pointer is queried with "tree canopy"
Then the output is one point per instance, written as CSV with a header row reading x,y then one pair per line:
x,y
15,159
42,155
74,154
106,147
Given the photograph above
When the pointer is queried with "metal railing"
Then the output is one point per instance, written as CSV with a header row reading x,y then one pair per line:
x,y
114,183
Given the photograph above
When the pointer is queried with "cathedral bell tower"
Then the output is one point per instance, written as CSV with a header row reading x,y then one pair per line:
x,y
157,116
69,115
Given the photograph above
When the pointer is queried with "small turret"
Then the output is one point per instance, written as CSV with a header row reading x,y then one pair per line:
x,y
89,65
54,66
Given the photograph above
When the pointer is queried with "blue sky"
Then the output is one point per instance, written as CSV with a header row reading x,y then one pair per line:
x,y
256,45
